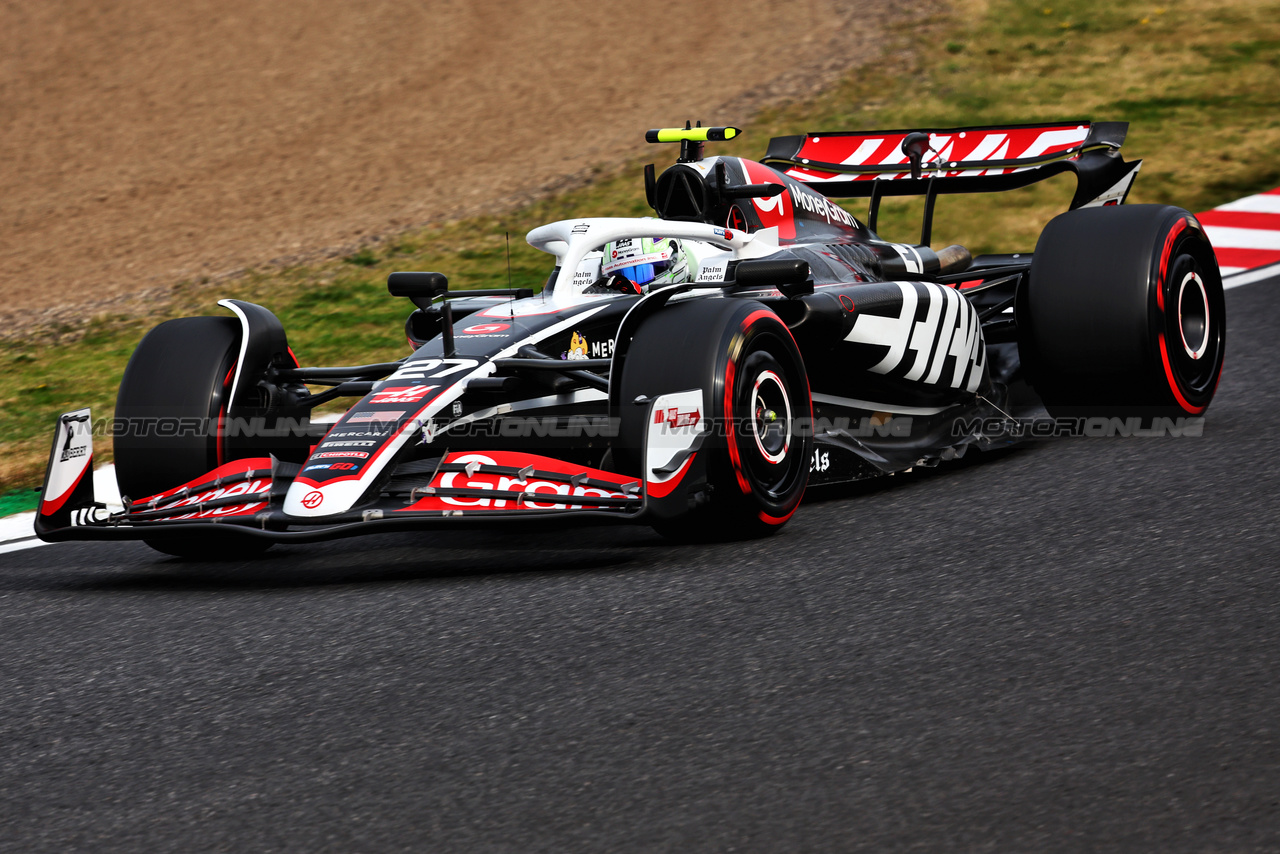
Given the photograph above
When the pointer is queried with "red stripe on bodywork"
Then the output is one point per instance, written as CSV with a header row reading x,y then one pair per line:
x,y
48,508
662,490
233,467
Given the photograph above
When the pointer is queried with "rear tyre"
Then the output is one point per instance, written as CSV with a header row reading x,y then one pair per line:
x,y
1123,314
176,387
756,393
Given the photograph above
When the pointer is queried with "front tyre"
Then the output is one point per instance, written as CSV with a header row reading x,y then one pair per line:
x,y
755,461
171,405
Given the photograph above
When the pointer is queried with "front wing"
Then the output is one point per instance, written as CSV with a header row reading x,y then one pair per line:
x,y
461,489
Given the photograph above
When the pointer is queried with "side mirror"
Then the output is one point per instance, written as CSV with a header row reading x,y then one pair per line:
x,y
420,288
788,275
914,146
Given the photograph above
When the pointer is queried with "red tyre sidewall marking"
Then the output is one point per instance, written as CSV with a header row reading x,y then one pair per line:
x,y
1169,240
733,447
1173,383
730,371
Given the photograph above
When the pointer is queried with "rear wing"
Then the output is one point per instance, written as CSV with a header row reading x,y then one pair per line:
x,y
872,164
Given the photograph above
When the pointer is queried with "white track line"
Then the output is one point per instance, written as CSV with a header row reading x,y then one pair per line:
x,y
1250,276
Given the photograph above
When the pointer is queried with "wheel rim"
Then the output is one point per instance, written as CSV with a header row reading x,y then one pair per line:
x,y
1193,330
771,417
1193,314
765,407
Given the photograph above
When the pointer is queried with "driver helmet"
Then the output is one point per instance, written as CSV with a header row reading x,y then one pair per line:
x,y
649,262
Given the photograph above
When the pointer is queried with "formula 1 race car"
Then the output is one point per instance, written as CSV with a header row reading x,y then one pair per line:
x,y
694,371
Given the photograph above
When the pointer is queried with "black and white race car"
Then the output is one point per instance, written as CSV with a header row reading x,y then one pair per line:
x,y
694,371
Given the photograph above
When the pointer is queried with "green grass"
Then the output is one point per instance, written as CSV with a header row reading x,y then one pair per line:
x,y
1200,85
18,501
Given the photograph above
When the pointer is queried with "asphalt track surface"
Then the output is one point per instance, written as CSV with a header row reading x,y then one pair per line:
x,y
1072,646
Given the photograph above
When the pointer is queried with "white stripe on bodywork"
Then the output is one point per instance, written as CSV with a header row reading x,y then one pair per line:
x,y
1052,138
244,343
871,406
585,395
952,300
862,152
339,496
988,145
891,332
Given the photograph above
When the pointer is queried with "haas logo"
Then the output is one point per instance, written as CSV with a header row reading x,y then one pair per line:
x,y
403,394
933,325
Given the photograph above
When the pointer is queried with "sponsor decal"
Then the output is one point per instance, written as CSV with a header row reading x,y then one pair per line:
x,y
820,461
353,434
72,453
317,467
711,273
671,440
402,394
677,417
580,228
934,324
602,349
538,494
821,206
486,328
246,488
324,455
234,510
357,443
578,347
388,415
457,408
344,466
313,499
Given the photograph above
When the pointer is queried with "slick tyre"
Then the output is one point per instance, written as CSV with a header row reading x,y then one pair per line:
x,y
756,395
171,403
1123,314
